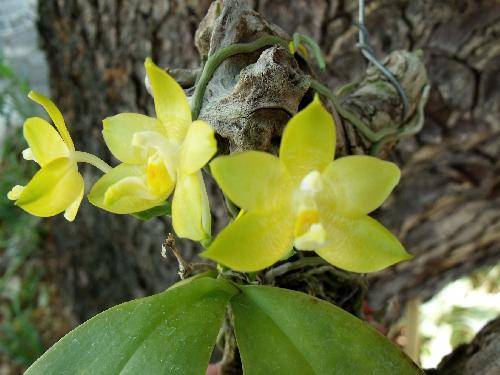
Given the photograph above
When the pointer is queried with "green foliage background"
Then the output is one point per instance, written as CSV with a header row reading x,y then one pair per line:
x,y
22,294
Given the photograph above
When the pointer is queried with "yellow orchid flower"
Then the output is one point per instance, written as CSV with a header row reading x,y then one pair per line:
x,y
57,186
158,155
306,200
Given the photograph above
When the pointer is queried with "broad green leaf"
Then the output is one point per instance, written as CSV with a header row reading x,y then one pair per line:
x,y
164,209
285,332
169,333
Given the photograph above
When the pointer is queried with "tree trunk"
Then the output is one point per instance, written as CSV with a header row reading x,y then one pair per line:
x,y
480,356
446,210
96,52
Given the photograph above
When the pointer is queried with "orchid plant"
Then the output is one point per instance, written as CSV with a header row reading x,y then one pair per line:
x,y
300,200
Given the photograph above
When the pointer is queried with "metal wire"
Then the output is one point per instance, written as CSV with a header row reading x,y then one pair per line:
x,y
367,51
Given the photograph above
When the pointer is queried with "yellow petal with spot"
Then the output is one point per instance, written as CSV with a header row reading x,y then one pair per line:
x,y
55,116
253,241
119,131
198,147
308,142
255,181
359,244
123,190
171,105
52,189
190,208
45,142
71,211
360,184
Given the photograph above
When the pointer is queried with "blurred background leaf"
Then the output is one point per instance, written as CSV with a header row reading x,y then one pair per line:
x,y
21,292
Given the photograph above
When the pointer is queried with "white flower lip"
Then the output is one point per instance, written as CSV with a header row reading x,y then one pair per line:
x,y
312,183
28,154
313,239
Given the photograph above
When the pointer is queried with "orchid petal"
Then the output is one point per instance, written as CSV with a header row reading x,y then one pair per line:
x,y
308,142
52,189
119,130
255,181
198,147
151,141
253,241
55,116
171,105
359,244
360,184
158,178
45,142
124,190
72,209
190,208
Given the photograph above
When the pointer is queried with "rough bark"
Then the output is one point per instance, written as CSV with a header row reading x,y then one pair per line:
x,y
447,208
480,356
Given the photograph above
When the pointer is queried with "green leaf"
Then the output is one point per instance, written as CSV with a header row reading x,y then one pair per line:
x,y
285,332
161,210
169,333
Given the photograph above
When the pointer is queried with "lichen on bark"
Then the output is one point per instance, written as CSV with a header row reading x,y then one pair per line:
x,y
251,96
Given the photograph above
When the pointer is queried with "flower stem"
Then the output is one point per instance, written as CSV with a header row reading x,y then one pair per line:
x,y
372,136
378,138
85,157
219,56
301,38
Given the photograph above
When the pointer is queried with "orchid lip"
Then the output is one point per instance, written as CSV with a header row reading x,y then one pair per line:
x,y
310,233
